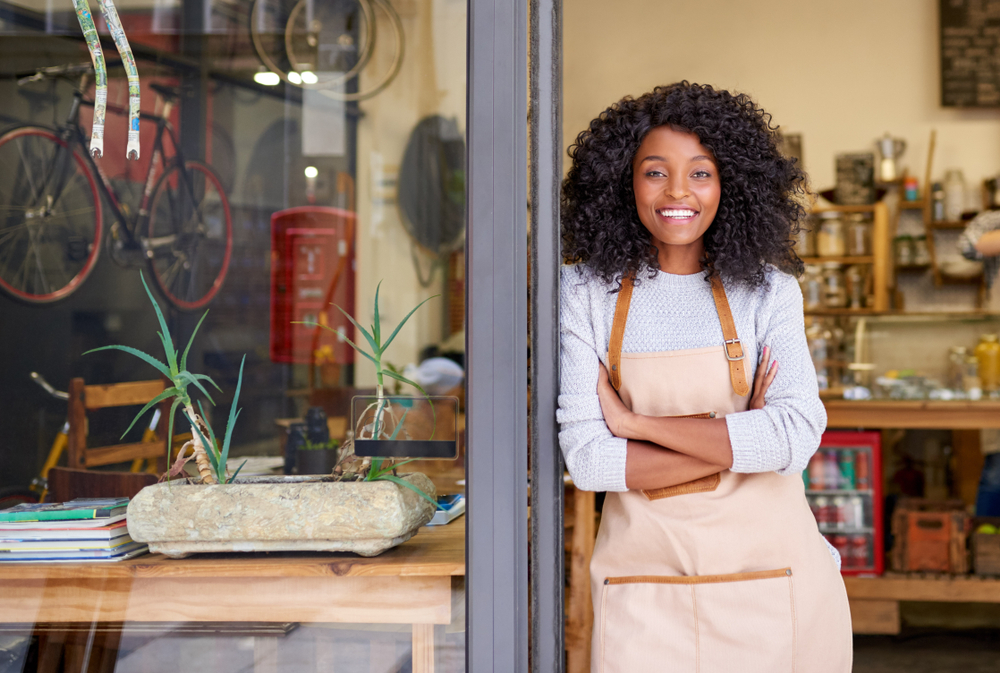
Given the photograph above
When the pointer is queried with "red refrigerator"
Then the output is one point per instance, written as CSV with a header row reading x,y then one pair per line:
x,y
844,489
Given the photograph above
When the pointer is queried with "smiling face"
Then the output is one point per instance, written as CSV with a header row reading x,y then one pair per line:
x,y
677,190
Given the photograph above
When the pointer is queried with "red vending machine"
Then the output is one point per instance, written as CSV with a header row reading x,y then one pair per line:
x,y
312,268
844,489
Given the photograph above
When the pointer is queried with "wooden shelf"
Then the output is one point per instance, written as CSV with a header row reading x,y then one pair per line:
x,y
911,205
950,224
913,267
843,311
868,259
846,209
917,414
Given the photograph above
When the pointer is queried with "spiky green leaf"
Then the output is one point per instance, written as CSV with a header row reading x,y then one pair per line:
x,y
234,413
168,344
400,325
209,450
206,377
190,379
169,392
170,425
402,482
233,478
403,379
376,349
187,349
341,336
377,327
145,357
399,426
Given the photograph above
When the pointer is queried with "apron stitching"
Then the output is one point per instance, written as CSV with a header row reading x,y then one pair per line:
x,y
604,619
697,635
791,599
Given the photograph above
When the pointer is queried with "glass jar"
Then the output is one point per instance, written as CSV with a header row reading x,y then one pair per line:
x,y
971,382
954,195
987,354
956,366
817,338
904,250
937,202
805,240
834,288
812,288
858,236
830,239
856,276
921,255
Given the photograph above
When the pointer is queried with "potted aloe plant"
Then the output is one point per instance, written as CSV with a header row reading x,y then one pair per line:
x,y
365,510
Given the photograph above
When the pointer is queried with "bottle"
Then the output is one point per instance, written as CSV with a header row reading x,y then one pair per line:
x,y
858,236
937,202
818,350
971,382
834,288
954,195
921,254
845,462
859,556
956,367
856,506
855,286
911,188
812,288
831,470
838,505
821,506
988,356
816,476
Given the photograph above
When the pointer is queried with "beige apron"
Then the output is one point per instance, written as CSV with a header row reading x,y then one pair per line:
x,y
720,575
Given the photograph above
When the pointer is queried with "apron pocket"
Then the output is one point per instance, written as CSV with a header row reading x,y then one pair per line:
x,y
705,623
703,485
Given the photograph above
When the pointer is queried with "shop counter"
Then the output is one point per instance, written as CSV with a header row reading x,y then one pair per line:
x,y
915,414
411,584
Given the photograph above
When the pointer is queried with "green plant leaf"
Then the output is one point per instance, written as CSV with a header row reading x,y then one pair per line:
x,y
209,448
377,327
233,478
220,463
206,377
168,344
376,350
400,325
145,357
169,392
184,358
170,425
190,379
399,425
234,413
402,482
403,379
342,336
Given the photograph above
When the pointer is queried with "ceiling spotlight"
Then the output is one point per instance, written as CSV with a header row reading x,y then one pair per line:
x,y
266,78
311,171
309,77
294,78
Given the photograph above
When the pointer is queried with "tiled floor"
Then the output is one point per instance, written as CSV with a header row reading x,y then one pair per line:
x,y
929,651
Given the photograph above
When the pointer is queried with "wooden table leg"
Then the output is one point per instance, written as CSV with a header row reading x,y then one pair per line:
x,y
580,611
423,648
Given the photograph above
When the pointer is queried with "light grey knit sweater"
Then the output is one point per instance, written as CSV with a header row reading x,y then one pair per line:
x,y
671,312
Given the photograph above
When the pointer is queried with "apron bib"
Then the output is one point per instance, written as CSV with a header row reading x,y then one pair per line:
x,y
725,573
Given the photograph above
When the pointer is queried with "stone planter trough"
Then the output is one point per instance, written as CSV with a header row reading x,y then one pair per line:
x,y
279,514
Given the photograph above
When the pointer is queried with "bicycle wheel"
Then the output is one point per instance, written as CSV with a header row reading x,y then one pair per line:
x,y
50,216
190,235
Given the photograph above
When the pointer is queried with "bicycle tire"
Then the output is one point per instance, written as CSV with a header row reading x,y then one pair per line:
x,y
16,495
50,209
190,239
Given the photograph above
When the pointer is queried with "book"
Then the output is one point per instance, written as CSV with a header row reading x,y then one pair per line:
x,y
118,554
62,531
81,508
65,524
28,546
449,507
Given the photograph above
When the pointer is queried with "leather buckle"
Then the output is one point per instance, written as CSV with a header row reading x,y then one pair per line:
x,y
738,343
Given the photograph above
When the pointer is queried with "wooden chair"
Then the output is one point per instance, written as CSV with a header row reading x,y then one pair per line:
x,y
84,398
68,484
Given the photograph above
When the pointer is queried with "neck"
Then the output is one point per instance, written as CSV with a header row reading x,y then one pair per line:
x,y
681,260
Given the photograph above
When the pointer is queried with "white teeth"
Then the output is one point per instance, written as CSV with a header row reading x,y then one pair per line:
x,y
680,214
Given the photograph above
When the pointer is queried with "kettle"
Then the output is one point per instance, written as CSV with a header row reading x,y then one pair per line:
x,y
891,149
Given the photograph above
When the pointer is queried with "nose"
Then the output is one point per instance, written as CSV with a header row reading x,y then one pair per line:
x,y
676,186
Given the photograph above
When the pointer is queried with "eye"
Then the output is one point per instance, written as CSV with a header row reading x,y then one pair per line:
x,y
654,174
702,174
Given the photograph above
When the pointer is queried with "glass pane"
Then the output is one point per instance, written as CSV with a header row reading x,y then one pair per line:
x,y
301,178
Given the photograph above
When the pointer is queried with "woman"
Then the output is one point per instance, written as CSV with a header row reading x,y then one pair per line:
x,y
679,213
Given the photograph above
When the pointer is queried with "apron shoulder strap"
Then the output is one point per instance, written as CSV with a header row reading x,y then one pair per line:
x,y
618,331
732,345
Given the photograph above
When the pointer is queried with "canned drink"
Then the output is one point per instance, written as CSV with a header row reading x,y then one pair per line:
x,y
842,545
856,511
859,555
862,471
838,511
805,478
845,461
831,471
821,508
816,480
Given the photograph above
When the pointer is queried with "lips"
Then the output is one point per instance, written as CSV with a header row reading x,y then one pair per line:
x,y
678,215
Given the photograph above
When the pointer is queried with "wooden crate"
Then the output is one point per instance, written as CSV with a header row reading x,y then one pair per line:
x,y
985,548
930,536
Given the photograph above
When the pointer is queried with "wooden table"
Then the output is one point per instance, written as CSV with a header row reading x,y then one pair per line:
x,y
411,584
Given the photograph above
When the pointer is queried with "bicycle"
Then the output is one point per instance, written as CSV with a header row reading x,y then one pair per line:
x,y
38,488
51,220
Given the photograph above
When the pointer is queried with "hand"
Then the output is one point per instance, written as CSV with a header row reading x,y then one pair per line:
x,y
616,414
762,379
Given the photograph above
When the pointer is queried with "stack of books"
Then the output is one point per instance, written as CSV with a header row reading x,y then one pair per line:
x,y
82,530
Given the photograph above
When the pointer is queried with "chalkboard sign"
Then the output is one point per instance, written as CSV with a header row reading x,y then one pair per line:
x,y
970,53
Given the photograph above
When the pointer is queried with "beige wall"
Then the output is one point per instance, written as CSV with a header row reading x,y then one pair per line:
x,y
841,73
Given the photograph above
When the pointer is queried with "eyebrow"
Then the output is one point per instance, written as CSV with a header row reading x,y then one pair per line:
x,y
654,157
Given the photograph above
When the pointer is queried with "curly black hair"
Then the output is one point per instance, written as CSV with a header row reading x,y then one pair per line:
x,y
759,208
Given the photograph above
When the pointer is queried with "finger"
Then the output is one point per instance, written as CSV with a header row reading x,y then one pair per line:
x,y
771,373
761,369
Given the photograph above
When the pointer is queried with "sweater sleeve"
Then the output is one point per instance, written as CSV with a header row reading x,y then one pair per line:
x,y
595,458
784,435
